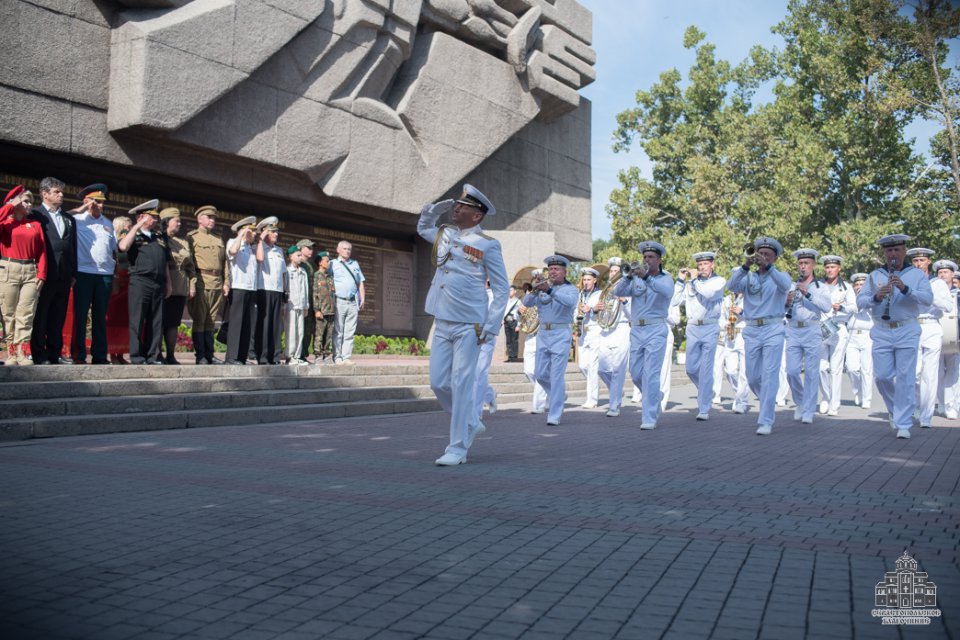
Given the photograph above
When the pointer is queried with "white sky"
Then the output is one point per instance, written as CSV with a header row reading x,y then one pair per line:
x,y
636,40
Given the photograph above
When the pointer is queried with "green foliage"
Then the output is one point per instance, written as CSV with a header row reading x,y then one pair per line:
x,y
826,164
379,345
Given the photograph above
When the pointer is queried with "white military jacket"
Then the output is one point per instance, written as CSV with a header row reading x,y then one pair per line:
x,y
469,258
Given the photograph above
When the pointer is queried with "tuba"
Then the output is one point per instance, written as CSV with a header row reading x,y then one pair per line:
x,y
610,313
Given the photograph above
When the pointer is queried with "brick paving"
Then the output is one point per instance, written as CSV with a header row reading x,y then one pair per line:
x,y
344,529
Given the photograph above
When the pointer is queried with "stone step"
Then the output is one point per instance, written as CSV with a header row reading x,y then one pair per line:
x,y
137,402
91,424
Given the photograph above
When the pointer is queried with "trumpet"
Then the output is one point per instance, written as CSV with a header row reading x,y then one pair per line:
x,y
538,281
638,268
749,250
688,273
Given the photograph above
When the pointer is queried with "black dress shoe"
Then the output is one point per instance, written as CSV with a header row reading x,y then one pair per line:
x,y
98,361
61,360
137,360
234,362
214,361
153,361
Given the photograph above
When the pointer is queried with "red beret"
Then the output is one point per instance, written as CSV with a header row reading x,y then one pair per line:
x,y
13,193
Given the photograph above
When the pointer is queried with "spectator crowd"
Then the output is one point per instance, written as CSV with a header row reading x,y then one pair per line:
x,y
125,283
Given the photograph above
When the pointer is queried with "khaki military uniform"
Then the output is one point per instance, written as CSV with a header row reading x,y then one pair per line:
x,y
323,303
209,257
183,272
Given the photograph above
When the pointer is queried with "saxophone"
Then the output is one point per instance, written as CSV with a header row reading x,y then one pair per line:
x,y
732,320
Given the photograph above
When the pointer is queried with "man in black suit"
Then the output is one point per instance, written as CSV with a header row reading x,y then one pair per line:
x,y
59,232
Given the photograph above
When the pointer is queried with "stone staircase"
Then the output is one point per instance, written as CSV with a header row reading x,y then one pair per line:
x,y
49,401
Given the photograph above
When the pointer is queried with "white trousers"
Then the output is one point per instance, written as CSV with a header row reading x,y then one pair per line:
x,y
612,363
484,392
293,328
859,362
647,347
588,359
701,358
833,353
731,366
803,367
763,349
553,351
453,371
539,403
948,393
895,368
666,382
928,369
344,327
783,387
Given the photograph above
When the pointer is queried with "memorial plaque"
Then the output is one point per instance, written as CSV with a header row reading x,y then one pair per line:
x,y
397,298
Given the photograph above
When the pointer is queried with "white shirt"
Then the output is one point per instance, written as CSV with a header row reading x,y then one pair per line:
x,y
271,271
243,266
57,217
96,244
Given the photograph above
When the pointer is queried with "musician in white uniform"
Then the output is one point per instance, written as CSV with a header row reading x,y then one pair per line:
x,y
615,346
931,337
539,399
731,361
765,295
651,291
588,338
859,358
833,352
556,301
948,391
666,380
702,296
463,318
807,302
896,294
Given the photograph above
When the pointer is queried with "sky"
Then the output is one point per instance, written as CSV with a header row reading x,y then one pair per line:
x,y
636,40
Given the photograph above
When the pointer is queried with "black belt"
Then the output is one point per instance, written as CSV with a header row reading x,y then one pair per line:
x,y
19,261
351,298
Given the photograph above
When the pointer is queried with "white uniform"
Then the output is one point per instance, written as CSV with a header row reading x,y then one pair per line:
x,y
614,352
650,302
803,346
666,377
731,361
859,357
896,341
458,302
931,342
764,300
703,298
833,352
539,404
588,348
948,391
556,308
485,393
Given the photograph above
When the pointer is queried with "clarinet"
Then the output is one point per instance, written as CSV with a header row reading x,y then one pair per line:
x,y
796,299
886,308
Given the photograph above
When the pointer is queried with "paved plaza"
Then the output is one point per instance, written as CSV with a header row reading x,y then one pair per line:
x,y
594,529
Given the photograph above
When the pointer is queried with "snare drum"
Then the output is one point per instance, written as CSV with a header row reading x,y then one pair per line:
x,y
951,335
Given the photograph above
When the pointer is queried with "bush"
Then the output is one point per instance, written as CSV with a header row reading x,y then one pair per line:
x,y
379,345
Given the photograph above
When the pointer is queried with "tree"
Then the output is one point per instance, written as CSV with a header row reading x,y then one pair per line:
x,y
825,164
